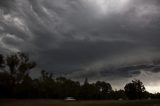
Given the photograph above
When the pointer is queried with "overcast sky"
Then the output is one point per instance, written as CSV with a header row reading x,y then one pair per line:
x,y
111,40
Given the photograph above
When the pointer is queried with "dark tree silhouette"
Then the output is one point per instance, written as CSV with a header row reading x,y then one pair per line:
x,y
67,88
86,81
135,90
89,91
46,85
16,69
119,95
104,89
1,61
15,82
19,66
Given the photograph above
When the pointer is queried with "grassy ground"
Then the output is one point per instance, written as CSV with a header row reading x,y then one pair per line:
x,y
77,103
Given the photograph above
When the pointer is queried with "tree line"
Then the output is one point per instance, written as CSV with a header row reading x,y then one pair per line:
x,y
16,82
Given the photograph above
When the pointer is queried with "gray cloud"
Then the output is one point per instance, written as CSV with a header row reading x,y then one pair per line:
x,y
74,37
7,4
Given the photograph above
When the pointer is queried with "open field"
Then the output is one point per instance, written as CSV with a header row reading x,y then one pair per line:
x,y
43,102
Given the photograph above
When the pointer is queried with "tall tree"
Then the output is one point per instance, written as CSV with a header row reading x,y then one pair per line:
x,y
135,89
47,85
104,89
1,61
88,91
86,81
19,66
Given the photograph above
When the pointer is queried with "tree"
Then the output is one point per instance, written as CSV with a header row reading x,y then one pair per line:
x,y
88,91
19,66
46,85
135,90
15,82
86,81
103,88
1,61
119,94
67,88
4,85
14,75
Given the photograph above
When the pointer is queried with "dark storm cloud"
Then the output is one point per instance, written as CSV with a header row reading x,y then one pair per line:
x,y
6,3
79,53
73,37
135,70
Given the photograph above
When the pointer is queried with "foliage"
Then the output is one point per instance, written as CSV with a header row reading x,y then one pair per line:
x,y
135,89
15,82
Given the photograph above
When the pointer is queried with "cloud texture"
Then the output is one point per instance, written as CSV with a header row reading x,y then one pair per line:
x,y
100,39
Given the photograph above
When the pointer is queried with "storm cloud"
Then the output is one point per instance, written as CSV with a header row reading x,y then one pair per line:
x,y
99,39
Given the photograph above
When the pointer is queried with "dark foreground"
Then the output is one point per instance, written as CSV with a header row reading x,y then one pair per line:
x,y
78,103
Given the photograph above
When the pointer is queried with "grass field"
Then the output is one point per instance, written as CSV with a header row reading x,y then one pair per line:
x,y
78,103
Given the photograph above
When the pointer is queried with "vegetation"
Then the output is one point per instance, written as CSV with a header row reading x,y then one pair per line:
x,y
15,82
135,90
